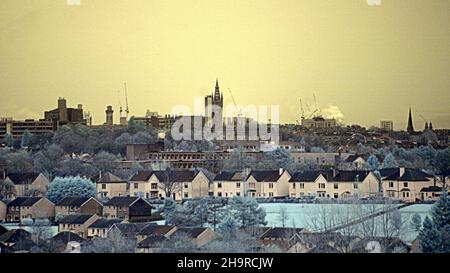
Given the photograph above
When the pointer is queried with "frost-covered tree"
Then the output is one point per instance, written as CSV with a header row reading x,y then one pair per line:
x,y
429,237
168,210
317,150
48,160
143,138
135,126
389,161
247,212
228,227
105,161
416,222
8,140
62,187
26,139
373,163
441,219
435,234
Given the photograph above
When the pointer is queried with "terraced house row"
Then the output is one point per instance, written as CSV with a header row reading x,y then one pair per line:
x,y
398,183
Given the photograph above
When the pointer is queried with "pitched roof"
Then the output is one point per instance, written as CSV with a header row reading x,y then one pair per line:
x,y
23,178
76,219
176,176
110,178
24,201
230,176
172,175
3,230
73,201
409,174
66,237
352,158
142,176
105,223
192,232
130,228
14,236
154,230
432,189
152,241
350,176
122,201
309,176
266,175
281,233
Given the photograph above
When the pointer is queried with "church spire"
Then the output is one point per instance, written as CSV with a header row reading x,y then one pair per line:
x,y
410,128
217,90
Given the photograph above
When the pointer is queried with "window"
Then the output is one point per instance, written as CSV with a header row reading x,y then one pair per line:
x,y
219,185
103,186
186,195
355,186
336,196
238,194
336,186
405,184
136,185
321,185
293,185
302,185
186,186
270,194
270,185
219,194
154,186
238,185
391,184
406,194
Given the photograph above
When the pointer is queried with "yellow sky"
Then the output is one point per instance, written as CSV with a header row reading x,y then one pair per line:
x,y
370,62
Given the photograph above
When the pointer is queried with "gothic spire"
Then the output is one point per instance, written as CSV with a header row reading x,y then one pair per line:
x,y
217,90
410,128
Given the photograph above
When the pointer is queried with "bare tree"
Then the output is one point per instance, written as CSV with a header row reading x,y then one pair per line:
x,y
6,189
169,185
116,242
283,216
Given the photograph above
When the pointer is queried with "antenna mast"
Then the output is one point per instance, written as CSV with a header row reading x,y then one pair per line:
x,y
127,110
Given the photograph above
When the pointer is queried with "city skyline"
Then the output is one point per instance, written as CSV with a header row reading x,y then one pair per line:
x,y
392,58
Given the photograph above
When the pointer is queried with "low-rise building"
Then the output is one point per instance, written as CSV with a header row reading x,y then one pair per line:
x,y
66,242
109,186
406,183
155,230
183,184
230,184
309,184
30,208
77,223
268,183
334,184
101,227
28,184
200,236
83,205
2,211
431,193
14,236
133,209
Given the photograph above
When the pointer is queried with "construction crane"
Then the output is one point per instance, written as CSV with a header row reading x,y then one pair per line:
x,y
235,104
120,102
301,108
127,110
315,104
